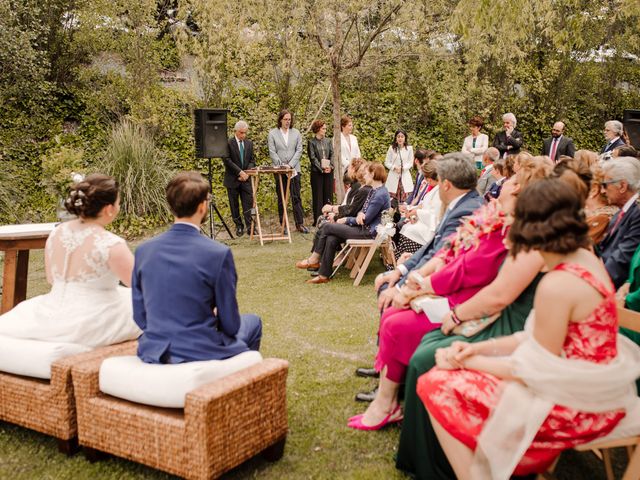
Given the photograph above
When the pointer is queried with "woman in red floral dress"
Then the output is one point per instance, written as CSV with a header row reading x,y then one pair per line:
x,y
575,319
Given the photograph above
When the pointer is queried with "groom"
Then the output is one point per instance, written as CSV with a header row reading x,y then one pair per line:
x,y
184,287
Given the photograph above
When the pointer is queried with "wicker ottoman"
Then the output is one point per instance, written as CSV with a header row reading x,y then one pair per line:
x,y
48,406
222,424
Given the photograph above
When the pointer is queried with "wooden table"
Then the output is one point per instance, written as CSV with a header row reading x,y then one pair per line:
x,y
285,231
15,242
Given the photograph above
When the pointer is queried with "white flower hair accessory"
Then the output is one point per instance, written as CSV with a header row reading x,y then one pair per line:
x,y
77,177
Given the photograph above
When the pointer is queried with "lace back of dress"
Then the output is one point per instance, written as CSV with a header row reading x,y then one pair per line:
x,y
79,253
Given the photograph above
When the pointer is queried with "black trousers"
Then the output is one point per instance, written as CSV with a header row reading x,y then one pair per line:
x,y
243,191
296,199
321,191
333,235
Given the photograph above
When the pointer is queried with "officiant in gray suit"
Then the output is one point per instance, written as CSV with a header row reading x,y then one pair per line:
x,y
285,149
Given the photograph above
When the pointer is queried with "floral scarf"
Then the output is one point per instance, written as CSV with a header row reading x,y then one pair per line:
x,y
487,219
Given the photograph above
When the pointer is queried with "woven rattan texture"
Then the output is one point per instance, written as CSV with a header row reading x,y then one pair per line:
x,y
48,406
223,423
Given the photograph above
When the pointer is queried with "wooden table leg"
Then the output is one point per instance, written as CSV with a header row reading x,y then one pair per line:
x,y
285,200
255,181
14,278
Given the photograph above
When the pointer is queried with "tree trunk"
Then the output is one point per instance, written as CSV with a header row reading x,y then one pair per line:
x,y
337,135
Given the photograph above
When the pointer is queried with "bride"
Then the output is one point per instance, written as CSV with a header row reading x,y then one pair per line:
x,y
83,263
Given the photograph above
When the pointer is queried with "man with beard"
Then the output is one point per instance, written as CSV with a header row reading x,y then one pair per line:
x,y
184,287
558,145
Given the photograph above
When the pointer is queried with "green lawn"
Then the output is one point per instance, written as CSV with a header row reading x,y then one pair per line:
x,y
325,332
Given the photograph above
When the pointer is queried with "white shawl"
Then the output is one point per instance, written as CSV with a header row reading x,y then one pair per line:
x,y
550,380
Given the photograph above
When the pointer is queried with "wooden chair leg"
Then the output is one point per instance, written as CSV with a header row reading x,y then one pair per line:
x,y
608,468
365,265
275,451
359,259
93,455
68,447
633,468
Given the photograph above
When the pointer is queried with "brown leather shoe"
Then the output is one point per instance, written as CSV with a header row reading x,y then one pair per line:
x,y
318,279
304,264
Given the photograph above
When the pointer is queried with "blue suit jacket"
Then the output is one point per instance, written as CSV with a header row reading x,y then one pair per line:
x,y
609,147
465,206
178,278
617,247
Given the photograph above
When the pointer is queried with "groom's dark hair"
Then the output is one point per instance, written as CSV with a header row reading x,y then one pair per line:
x,y
185,192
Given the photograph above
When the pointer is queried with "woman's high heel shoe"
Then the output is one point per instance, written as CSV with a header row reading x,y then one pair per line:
x,y
355,422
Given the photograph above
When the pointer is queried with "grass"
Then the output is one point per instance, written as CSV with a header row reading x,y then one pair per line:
x,y
325,332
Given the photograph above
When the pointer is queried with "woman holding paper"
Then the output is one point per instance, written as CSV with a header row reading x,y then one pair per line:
x,y
569,377
399,161
469,261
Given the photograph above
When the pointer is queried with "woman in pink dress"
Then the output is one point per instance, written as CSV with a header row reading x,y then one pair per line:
x,y
495,417
469,261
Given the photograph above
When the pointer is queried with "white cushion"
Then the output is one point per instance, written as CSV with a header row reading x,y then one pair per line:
x,y
165,385
33,358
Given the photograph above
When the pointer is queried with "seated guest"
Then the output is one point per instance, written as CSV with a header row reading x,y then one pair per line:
x,y
486,178
469,261
419,157
422,222
509,141
457,189
422,186
334,213
499,309
620,185
362,226
597,208
83,264
624,151
497,417
586,157
184,287
629,292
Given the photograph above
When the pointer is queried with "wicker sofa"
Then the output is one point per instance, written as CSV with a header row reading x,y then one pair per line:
x,y
48,406
222,424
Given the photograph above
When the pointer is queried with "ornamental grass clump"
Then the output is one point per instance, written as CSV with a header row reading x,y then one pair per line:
x,y
140,168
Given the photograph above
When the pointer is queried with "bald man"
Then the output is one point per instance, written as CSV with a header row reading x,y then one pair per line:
x,y
557,145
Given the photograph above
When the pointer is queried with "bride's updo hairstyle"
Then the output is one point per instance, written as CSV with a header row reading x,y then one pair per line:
x,y
88,197
549,218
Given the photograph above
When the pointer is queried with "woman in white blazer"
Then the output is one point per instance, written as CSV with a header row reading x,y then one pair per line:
x,y
399,161
476,143
349,148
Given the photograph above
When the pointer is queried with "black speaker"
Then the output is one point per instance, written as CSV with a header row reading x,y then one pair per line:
x,y
631,122
210,131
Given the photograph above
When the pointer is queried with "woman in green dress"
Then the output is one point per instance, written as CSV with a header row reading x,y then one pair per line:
x,y
506,302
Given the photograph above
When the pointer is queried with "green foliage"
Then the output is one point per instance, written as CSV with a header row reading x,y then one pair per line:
x,y
133,159
58,166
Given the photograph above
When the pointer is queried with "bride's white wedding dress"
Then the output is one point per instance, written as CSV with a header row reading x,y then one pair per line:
x,y
85,305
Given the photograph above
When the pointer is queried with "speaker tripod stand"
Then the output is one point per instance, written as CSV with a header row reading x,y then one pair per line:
x,y
213,208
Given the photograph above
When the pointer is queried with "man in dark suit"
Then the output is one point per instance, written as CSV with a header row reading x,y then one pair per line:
x,y
457,178
557,144
236,180
620,184
509,141
184,287
613,134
